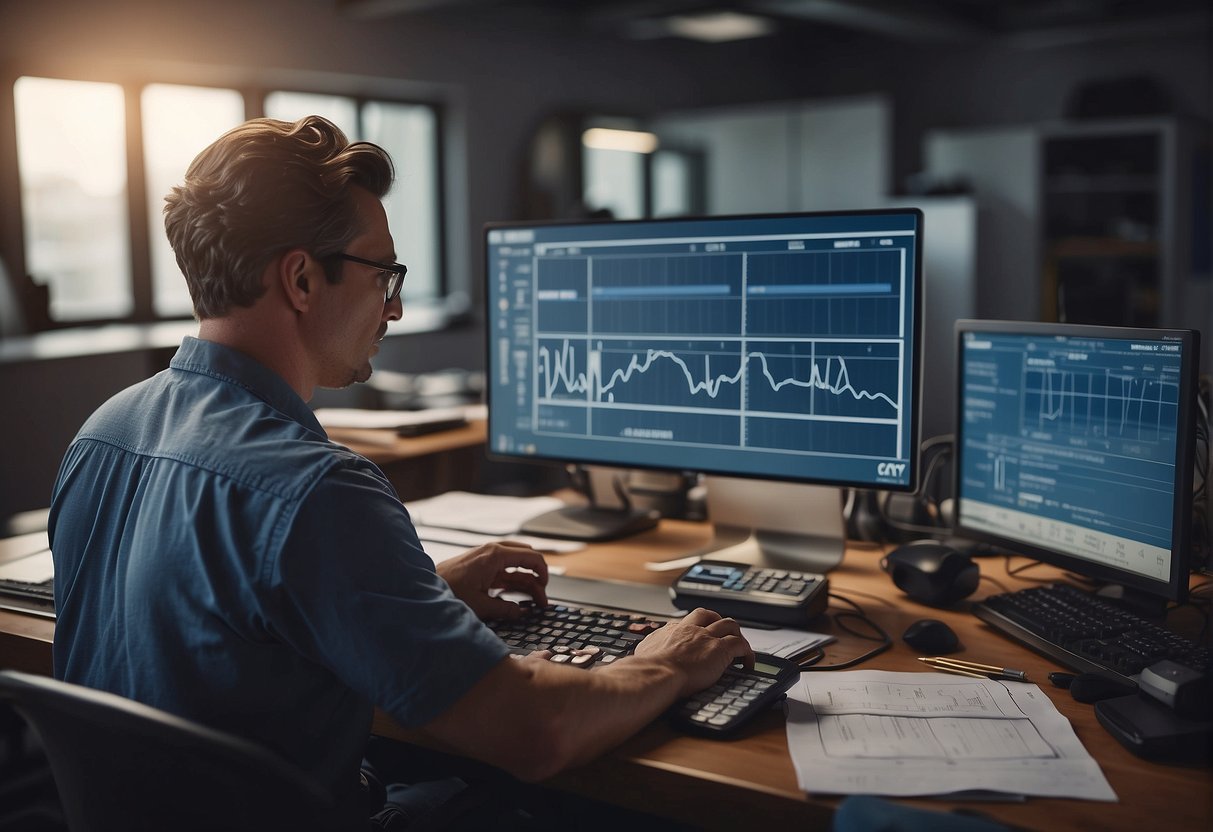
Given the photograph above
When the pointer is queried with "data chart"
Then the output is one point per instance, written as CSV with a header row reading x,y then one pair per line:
x,y
740,344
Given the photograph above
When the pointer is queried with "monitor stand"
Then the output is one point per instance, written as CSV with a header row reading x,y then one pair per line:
x,y
784,525
609,515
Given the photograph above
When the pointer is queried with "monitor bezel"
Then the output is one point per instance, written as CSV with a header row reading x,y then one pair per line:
x,y
917,292
1175,588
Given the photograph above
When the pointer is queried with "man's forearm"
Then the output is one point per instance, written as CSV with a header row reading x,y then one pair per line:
x,y
534,719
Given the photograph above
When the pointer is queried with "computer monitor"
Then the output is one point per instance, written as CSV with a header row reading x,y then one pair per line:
x,y
1075,446
770,352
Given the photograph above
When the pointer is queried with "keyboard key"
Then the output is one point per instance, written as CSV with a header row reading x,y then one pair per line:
x,y
583,637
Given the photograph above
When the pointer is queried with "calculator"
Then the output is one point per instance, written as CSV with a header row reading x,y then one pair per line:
x,y
737,697
785,597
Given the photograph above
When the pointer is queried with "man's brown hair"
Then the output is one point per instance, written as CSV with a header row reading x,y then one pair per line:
x,y
259,190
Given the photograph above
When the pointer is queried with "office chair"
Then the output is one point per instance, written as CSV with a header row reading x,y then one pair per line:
x,y
120,764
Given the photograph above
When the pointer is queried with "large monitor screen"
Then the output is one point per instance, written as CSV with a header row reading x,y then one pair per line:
x,y
781,347
1075,446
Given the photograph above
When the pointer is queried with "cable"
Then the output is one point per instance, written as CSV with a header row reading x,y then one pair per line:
x,y
996,583
1015,573
871,595
945,440
1202,545
810,663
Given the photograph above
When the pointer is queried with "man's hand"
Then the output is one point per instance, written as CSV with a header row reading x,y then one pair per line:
x,y
508,566
701,645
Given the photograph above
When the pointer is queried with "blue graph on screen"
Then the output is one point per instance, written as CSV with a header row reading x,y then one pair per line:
x,y
797,351
1103,403
1070,443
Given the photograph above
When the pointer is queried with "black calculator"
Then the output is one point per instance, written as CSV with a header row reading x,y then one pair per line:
x,y
784,597
722,709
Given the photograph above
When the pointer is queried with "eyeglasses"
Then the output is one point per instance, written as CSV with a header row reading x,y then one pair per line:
x,y
392,275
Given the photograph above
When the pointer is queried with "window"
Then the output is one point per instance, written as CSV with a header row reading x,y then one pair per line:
x,y
178,122
673,184
628,173
289,106
71,152
79,209
409,133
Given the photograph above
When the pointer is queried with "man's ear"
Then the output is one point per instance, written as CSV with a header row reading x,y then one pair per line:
x,y
295,273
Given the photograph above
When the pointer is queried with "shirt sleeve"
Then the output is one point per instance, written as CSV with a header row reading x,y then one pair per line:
x,y
356,593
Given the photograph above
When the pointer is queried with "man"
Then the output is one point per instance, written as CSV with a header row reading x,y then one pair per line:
x,y
218,557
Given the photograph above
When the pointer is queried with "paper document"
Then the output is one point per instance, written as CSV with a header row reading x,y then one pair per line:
x,y
350,417
458,537
784,642
904,734
12,548
31,569
484,513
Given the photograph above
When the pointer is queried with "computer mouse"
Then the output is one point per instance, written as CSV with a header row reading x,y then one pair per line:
x,y
932,637
1093,686
932,573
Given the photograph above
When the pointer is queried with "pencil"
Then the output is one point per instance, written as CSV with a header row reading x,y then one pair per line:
x,y
974,668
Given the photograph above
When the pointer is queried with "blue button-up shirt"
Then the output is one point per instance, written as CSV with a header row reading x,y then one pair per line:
x,y
218,557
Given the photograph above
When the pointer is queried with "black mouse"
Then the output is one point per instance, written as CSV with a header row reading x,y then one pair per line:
x,y
932,573
1094,686
932,637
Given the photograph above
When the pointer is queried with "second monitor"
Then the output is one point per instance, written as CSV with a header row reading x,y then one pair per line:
x,y
776,351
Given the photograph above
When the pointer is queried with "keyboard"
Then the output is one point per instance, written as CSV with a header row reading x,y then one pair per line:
x,y
1087,633
35,598
578,636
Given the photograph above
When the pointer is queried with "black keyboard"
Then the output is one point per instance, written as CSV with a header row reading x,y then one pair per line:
x,y
1087,633
35,598
579,636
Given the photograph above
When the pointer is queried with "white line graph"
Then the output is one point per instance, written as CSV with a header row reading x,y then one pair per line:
x,y
559,371
1102,403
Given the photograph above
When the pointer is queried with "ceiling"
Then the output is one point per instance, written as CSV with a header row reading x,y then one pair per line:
x,y
1024,23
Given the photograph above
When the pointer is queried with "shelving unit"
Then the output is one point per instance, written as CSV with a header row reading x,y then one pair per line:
x,y
1106,198
1086,222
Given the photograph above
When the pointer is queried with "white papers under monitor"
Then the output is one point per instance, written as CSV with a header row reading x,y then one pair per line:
x,y
484,513
349,417
469,540
12,548
34,568
905,734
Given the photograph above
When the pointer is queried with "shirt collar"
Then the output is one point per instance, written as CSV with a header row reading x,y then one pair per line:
x,y
227,364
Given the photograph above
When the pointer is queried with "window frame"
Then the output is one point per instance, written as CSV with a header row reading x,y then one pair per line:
x,y
254,91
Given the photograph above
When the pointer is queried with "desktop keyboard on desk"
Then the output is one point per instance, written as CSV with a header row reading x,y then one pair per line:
x,y
578,636
588,638
1087,633
34,598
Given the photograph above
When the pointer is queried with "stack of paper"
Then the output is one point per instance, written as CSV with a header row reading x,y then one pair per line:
x,y
902,734
456,521
483,513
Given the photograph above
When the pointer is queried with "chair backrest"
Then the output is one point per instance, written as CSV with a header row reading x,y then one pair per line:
x,y
120,764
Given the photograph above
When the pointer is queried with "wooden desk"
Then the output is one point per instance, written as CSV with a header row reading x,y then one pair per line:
x,y
423,466
739,784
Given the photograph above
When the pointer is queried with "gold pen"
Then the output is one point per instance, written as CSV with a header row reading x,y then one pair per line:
x,y
974,668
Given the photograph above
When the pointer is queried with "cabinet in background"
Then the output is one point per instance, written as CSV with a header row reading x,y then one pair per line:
x,y
1096,221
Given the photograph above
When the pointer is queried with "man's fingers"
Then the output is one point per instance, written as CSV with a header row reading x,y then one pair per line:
x,y
723,627
490,608
521,556
701,616
740,649
523,581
